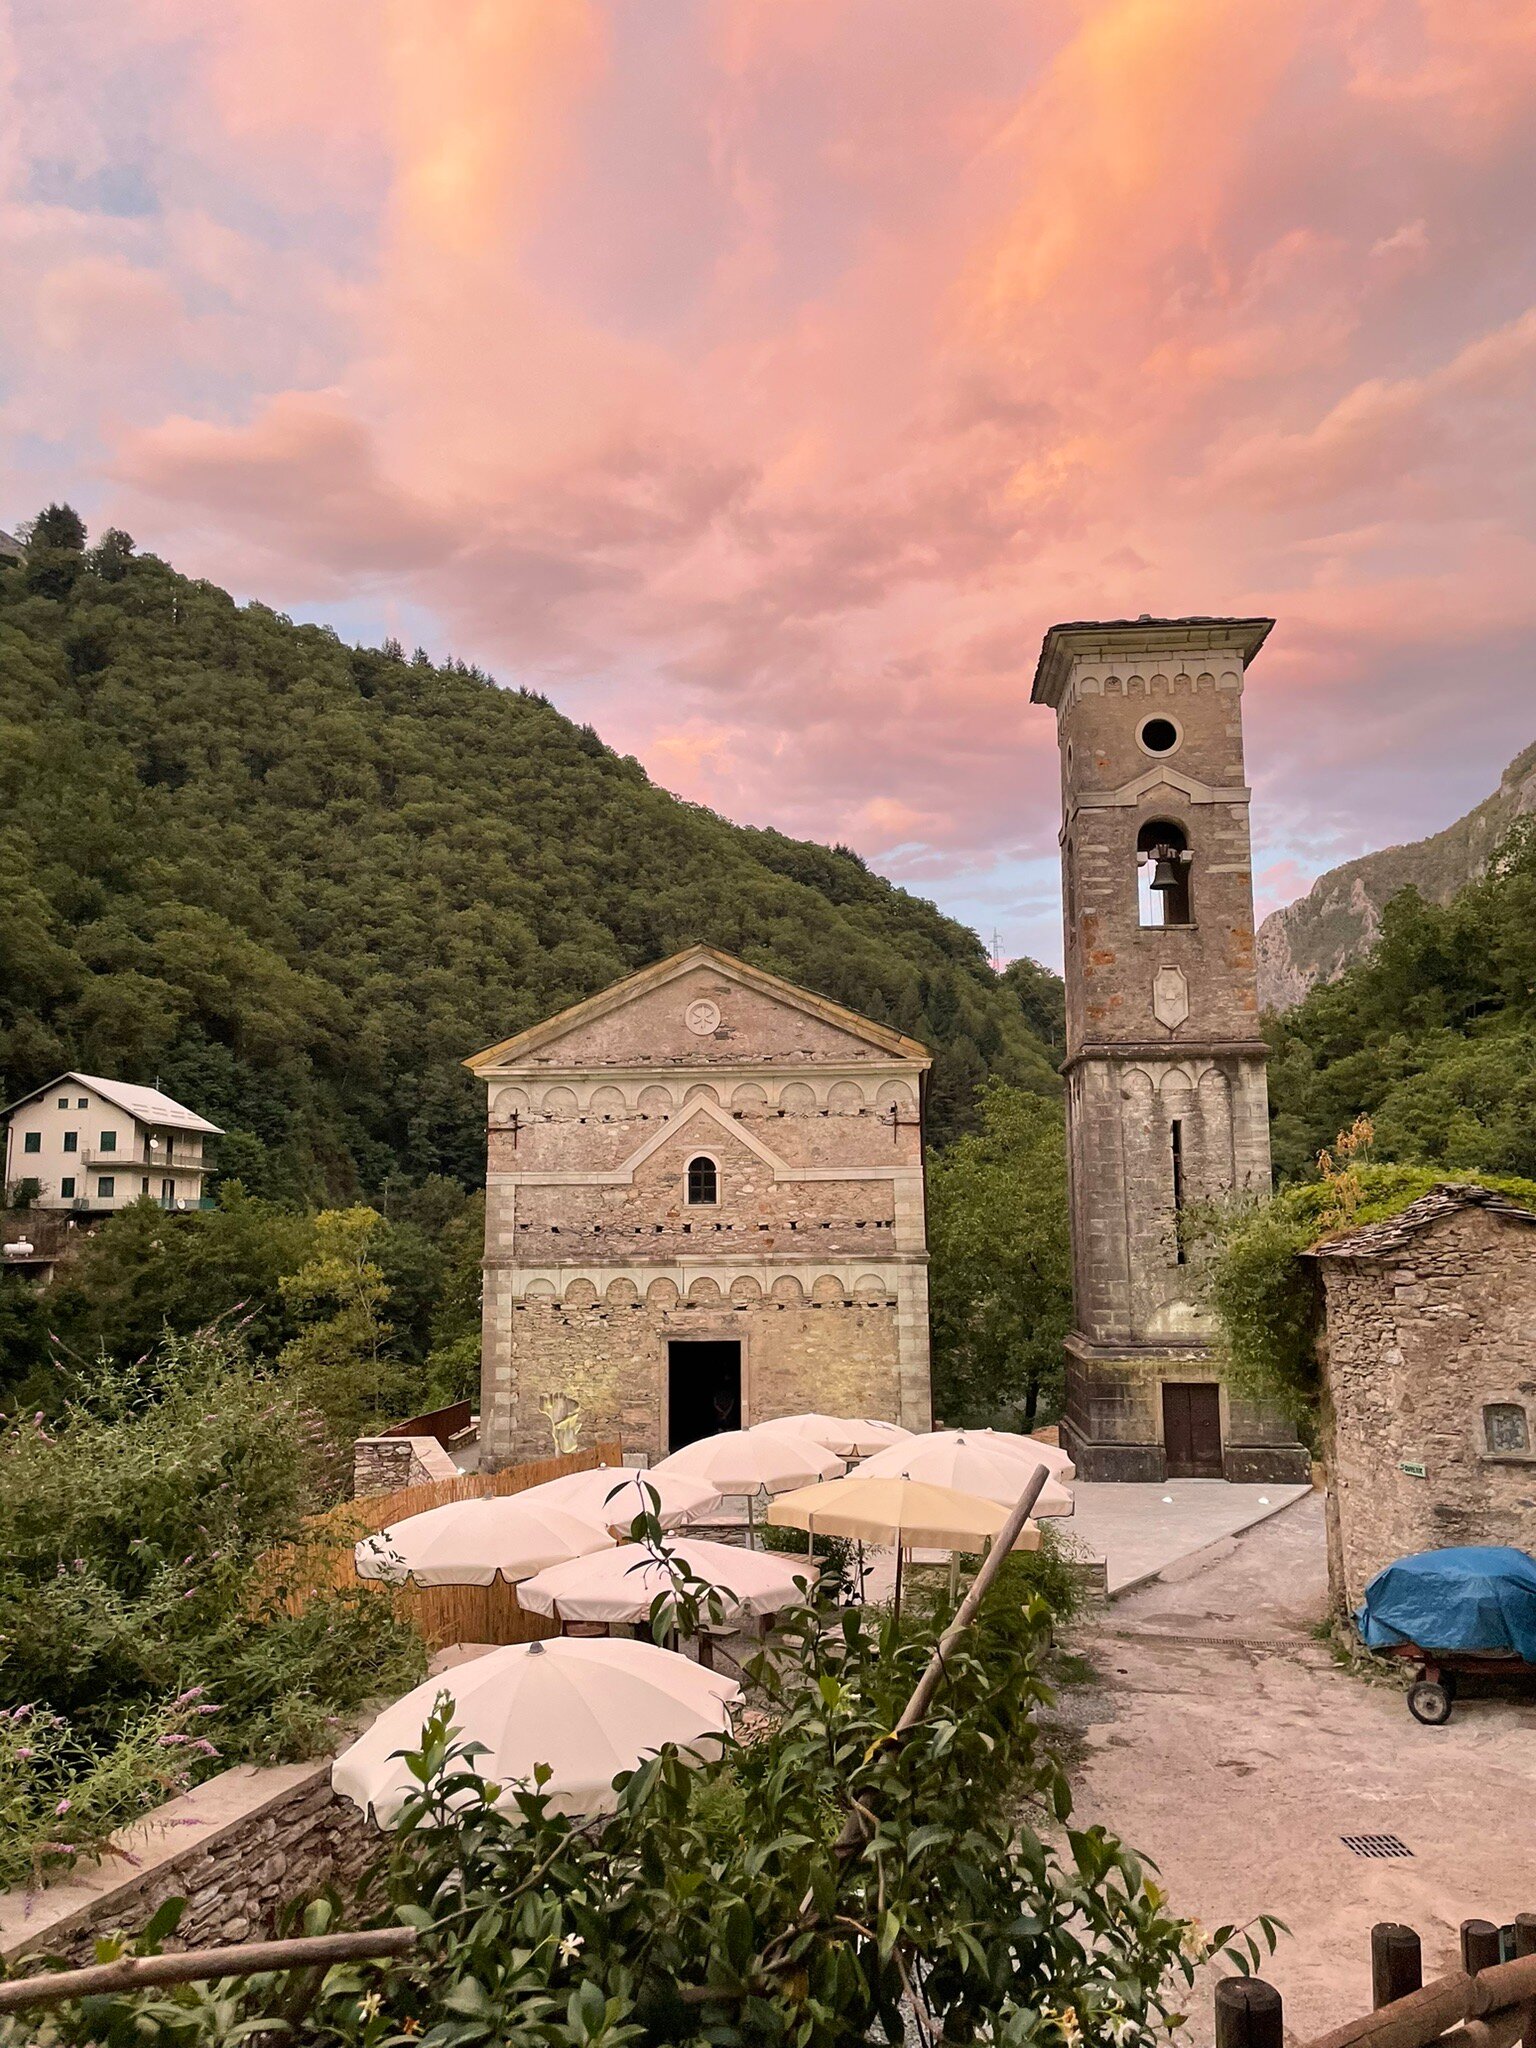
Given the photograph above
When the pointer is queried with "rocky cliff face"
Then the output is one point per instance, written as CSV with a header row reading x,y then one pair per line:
x,y
1336,922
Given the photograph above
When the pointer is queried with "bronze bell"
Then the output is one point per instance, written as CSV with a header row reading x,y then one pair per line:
x,y
1166,873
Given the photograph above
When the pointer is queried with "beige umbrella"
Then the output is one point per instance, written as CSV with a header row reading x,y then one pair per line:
x,y
470,1542
969,1462
619,1585
752,1461
613,1495
904,1513
589,1709
858,1437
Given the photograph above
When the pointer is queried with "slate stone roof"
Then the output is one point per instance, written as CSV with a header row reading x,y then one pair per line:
x,y
1394,1233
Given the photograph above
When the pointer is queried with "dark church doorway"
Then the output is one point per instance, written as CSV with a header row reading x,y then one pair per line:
x,y
703,1389
1192,1429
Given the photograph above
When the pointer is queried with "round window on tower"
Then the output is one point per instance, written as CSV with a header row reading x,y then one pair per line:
x,y
1158,736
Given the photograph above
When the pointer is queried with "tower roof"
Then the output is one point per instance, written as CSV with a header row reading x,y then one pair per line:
x,y
1114,639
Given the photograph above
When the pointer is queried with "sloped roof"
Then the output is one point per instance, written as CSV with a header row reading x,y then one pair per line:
x,y
149,1105
1393,1234
663,971
11,549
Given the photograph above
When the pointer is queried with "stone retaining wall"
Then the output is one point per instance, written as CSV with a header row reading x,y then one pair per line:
x,y
237,1848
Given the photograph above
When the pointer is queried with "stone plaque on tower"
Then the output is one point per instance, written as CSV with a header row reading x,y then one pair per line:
x,y
1166,1100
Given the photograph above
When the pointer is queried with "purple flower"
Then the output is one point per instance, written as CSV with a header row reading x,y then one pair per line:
x,y
61,1809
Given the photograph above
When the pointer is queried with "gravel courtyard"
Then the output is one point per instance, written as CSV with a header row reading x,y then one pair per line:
x,y
1224,1742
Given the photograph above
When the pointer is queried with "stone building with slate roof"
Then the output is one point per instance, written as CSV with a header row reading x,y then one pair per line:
x,y
704,1207
1429,1406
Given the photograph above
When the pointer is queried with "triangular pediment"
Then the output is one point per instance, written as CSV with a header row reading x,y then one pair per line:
x,y
699,1005
703,1122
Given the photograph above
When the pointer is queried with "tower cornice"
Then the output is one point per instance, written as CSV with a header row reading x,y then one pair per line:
x,y
1119,639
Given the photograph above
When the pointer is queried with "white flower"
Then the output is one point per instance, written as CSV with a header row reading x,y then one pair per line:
x,y
369,2004
571,1946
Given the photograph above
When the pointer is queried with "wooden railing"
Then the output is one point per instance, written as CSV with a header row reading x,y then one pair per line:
x,y
440,1614
1490,2002
443,1424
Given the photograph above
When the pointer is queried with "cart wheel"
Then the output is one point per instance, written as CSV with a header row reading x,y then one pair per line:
x,y
1430,1704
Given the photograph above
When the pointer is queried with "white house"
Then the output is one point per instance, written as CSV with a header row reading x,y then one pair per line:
x,y
95,1145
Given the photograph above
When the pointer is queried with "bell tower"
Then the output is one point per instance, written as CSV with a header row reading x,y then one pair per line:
x,y
1166,1099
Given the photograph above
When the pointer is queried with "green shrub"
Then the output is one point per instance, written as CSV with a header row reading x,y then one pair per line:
x,y
718,1904
1267,1298
134,1579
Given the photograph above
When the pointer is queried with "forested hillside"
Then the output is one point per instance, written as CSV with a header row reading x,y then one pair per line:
x,y
298,882
1337,922
1433,1036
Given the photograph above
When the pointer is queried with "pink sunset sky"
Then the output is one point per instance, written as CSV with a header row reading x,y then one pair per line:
x,y
759,378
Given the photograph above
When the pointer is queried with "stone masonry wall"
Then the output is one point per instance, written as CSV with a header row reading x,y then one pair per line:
x,y
237,1848
835,1354
813,1257
1167,1103
1419,1344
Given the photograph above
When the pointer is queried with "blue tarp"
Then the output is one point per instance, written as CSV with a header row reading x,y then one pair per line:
x,y
1481,1598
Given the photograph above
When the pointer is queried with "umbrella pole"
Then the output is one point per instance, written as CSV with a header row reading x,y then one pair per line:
x,y
896,1608
751,1521
954,1575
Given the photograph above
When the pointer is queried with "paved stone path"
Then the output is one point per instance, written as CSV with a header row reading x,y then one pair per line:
x,y
1143,1530
1225,1744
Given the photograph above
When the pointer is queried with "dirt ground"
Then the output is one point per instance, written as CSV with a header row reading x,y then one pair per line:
x,y
1226,1744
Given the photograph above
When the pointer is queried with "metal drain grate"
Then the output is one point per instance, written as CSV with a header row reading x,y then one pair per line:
x,y
1376,1845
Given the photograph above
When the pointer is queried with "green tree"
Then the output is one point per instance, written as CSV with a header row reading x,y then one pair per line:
x,y
299,881
145,1272
1001,1263
342,1361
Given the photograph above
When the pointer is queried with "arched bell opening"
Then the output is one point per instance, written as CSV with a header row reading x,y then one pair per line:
x,y
1163,863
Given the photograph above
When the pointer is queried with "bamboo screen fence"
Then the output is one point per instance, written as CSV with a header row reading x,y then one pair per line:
x,y
440,1614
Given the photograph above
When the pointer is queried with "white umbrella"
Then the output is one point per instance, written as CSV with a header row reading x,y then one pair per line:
x,y
753,1462
968,1462
619,1585
845,1437
1029,1450
587,1708
468,1542
614,1494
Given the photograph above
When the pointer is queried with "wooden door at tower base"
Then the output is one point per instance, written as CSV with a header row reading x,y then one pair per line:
x,y
1192,1429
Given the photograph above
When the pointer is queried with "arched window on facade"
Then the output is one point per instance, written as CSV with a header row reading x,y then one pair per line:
x,y
1163,863
703,1182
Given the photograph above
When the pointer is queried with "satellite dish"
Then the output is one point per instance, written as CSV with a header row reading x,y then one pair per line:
x,y
181,1202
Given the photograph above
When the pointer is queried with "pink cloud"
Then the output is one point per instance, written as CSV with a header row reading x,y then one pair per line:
x,y
763,379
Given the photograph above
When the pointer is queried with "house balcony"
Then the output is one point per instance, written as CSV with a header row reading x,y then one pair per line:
x,y
133,1162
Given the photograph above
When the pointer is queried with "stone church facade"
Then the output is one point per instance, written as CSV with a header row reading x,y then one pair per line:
x,y
1429,1382
1167,1105
704,1207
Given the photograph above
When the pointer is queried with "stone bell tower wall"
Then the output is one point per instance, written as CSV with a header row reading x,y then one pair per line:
x,y
1167,1106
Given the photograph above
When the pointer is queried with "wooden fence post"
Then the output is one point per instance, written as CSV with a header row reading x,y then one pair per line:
x,y
1479,1946
1249,2014
1397,1963
1525,1945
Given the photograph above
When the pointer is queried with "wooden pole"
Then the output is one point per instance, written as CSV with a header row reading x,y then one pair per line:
x,y
1479,1946
194,1965
1397,1962
1525,1945
1249,2014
